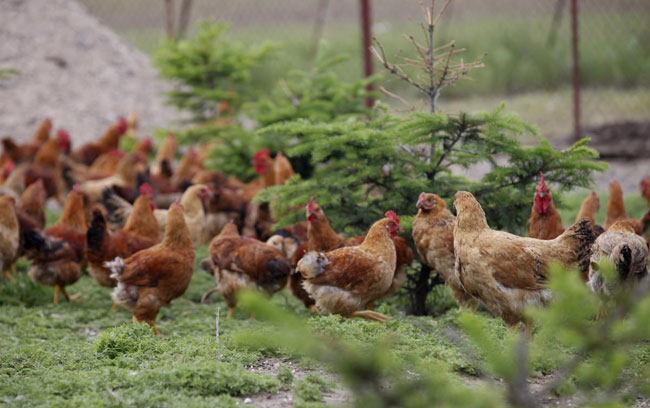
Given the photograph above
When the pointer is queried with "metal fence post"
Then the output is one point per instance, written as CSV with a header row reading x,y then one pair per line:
x,y
365,43
576,69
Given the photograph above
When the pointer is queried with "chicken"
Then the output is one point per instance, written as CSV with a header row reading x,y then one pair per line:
x,y
153,277
545,221
19,153
58,253
243,262
345,280
645,189
508,272
46,166
9,236
282,169
193,200
166,152
14,182
30,211
105,165
187,167
8,166
141,231
124,177
433,234
225,205
264,167
589,208
144,147
43,132
87,153
321,237
616,208
627,251
26,152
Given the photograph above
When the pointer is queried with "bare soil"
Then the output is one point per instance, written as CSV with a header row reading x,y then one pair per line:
x,y
73,69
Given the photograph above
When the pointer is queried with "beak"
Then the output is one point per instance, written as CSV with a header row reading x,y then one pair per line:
x,y
419,204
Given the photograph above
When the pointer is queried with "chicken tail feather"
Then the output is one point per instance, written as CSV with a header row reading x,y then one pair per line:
x,y
580,236
118,208
312,264
116,267
622,257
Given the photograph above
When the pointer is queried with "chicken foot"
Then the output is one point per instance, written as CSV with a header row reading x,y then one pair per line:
x,y
151,323
368,315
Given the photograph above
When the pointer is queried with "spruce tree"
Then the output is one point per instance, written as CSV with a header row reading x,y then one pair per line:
x,y
365,166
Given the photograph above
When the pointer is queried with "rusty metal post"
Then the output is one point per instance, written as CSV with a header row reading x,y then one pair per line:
x,y
576,69
365,44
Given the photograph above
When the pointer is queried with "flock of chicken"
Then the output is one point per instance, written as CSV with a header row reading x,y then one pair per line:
x,y
136,225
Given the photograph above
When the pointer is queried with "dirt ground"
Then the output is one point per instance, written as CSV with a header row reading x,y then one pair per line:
x,y
73,69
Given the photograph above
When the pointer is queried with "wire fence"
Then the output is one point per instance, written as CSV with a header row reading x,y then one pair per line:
x,y
527,42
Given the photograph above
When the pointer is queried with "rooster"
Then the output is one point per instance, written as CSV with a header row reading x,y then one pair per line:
x,y
433,234
58,253
141,231
87,153
153,277
239,262
345,280
545,221
508,272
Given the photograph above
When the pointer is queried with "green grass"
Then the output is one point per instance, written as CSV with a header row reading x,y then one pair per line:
x,y
82,354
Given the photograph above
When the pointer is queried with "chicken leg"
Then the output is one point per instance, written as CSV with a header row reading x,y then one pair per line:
x,y
207,294
370,306
74,298
369,315
7,275
231,311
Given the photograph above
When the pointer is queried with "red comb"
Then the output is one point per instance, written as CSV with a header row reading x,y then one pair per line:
x,y
10,165
261,154
63,134
421,196
392,216
76,187
146,189
310,204
40,182
122,125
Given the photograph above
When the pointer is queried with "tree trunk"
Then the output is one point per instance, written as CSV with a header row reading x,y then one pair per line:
x,y
422,289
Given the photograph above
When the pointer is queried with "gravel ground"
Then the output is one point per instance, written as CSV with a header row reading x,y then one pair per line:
x,y
73,69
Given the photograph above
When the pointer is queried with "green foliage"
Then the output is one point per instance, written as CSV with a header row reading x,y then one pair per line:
x,y
364,168
232,147
125,339
208,69
22,290
285,376
375,361
318,95
8,73
311,389
593,357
